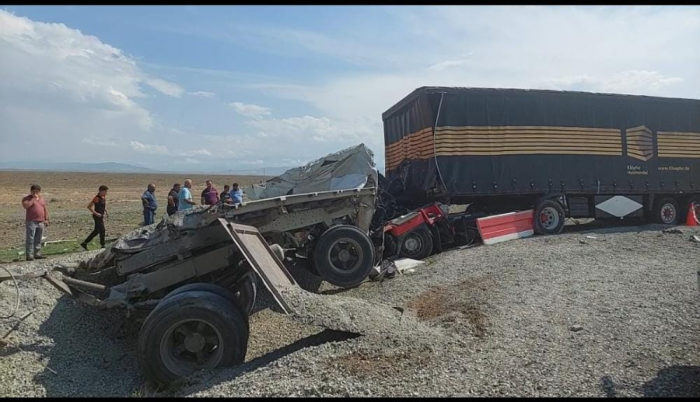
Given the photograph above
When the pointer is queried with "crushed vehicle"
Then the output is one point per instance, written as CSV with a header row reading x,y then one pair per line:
x,y
197,271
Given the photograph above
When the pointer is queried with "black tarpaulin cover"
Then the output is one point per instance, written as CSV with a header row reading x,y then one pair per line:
x,y
476,141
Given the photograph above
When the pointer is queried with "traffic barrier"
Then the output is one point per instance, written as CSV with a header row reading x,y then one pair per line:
x,y
500,228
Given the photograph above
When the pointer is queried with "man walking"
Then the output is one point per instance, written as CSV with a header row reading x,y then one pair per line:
x,y
98,208
36,219
185,197
210,195
173,199
236,194
149,204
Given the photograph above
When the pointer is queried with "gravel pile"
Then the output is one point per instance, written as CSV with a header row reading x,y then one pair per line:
x,y
593,312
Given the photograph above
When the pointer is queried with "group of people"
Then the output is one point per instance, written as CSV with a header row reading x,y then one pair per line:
x,y
179,199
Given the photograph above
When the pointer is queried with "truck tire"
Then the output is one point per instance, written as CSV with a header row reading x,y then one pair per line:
x,y
191,331
666,211
549,218
417,244
246,291
344,256
243,293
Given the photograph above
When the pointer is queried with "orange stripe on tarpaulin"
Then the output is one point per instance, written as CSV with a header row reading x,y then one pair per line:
x,y
506,224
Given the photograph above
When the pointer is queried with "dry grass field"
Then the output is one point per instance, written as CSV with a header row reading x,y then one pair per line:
x,y
68,194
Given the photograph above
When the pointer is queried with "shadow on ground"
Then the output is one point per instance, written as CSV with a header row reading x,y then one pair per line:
x,y
93,352
674,381
205,381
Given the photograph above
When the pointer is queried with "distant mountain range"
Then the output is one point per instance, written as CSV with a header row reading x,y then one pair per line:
x,y
107,167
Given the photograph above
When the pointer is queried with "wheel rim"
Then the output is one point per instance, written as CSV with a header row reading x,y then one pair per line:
x,y
549,218
190,345
345,255
668,213
413,244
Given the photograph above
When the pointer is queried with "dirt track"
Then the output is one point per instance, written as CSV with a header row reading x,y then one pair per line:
x,y
614,315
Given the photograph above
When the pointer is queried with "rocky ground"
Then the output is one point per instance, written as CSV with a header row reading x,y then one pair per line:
x,y
593,312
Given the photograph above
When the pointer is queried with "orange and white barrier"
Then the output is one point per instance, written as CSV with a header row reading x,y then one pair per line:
x,y
500,228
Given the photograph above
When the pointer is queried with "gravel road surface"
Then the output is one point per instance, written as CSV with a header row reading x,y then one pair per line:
x,y
593,312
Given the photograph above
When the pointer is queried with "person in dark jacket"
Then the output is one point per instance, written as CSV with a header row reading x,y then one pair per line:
x,y
173,199
150,205
225,196
98,207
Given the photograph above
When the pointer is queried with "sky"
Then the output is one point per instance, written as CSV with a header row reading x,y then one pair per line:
x,y
231,88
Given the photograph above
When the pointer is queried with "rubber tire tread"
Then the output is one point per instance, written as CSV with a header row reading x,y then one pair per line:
x,y
351,278
427,249
217,310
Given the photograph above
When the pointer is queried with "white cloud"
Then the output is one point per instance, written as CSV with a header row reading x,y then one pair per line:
x,y
203,94
251,162
149,149
628,82
165,87
99,142
201,152
59,86
192,161
249,110
447,64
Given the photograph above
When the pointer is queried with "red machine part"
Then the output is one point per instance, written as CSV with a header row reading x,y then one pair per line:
x,y
404,224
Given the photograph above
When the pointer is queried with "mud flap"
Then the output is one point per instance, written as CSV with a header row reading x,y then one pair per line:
x,y
263,260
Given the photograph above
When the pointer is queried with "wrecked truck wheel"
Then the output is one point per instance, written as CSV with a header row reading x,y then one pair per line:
x,y
549,218
191,331
417,245
344,256
243,293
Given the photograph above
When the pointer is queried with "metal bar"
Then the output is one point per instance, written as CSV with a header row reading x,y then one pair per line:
x,y
83,284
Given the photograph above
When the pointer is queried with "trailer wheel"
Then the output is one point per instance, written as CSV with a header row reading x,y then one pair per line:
x,y
245,291
549,218
191,331
344,256
417,244
666,211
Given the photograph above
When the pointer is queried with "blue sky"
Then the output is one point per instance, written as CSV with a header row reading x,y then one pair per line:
x,y
217,88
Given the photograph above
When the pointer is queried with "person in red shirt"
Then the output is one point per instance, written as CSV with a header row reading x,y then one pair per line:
x,y
210,195
37,218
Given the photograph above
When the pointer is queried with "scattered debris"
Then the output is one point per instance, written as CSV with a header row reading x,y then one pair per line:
x,y
695,238
672,231
591,237
576,328
406,265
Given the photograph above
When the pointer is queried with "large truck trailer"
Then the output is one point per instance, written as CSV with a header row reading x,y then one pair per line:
x,y
563,154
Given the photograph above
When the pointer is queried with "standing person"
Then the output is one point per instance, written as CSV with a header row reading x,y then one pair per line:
x,y
225,196
149,204
185,197
236,194
98,207
173,199
36,219
210,195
